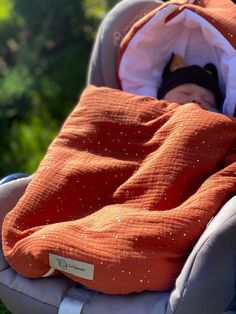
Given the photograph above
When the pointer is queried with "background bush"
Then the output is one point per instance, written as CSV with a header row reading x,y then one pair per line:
x,y
44,51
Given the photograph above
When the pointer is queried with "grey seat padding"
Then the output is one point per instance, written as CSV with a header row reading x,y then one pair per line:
x,y
22,295
207,280
10,193
102,67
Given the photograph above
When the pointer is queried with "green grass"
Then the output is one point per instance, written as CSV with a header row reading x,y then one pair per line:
x,y
3,309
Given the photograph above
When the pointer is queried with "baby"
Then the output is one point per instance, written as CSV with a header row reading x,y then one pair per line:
x,y
182,83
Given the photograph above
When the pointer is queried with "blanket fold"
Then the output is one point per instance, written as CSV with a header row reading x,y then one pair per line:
x,y
123,193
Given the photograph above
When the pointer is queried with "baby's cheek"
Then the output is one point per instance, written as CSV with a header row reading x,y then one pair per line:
x,y
182,100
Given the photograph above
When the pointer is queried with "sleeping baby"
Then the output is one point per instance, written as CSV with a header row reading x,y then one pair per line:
x,y
183,83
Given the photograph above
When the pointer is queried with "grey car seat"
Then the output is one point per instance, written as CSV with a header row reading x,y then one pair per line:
x,y
206,284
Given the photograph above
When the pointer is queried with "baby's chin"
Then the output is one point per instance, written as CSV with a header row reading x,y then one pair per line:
x,y
205,107
213,110
209,108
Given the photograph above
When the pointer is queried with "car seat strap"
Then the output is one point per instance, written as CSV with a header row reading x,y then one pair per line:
x,y
71,305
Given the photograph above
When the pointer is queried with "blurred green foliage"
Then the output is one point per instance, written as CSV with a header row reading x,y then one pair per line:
x,y
3,310
44,52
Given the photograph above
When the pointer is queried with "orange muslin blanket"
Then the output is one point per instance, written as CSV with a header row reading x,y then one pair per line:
x,y
123,193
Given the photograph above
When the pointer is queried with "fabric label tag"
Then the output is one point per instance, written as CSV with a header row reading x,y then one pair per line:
x,y
73,267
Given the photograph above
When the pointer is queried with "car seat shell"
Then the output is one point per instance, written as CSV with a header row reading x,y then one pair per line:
x,y
206,284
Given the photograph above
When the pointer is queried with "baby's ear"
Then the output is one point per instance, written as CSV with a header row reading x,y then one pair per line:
x,y
211,68
176,62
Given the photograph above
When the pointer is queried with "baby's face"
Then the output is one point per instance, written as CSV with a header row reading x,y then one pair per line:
x,y
186,93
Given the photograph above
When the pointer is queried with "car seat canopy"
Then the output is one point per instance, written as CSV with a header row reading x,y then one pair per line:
x,y
201,32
